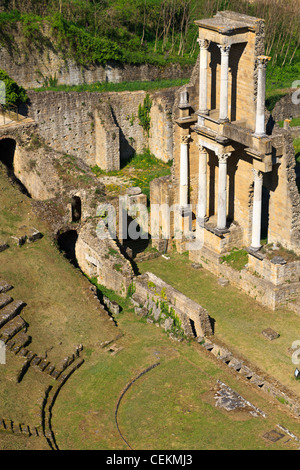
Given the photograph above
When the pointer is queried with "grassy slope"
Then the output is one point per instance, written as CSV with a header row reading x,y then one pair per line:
x,y
60,312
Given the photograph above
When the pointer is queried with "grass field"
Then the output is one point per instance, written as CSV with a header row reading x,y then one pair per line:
x,y
239,319
170,407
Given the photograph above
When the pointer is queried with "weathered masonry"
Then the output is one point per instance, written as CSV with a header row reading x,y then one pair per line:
x,y
234,170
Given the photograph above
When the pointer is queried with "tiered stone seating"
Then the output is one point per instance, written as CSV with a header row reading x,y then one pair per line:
x,y
11,310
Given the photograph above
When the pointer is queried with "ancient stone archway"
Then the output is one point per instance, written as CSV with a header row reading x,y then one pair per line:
x,y
7,153
66,242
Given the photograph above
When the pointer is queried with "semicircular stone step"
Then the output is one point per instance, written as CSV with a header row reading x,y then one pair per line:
x,y
5,300
10,311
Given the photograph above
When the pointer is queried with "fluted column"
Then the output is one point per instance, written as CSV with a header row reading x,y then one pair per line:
x,y
202,184
257,207
223,116
204,44
184,151
222,191
261,96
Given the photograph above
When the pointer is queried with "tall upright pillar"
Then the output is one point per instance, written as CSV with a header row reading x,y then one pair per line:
x,y
261,96
204,45
202,184
222,191
257,207
223,116
184,151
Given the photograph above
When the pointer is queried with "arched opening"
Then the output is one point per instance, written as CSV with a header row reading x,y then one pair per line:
x,y
76,209
7,153
66,242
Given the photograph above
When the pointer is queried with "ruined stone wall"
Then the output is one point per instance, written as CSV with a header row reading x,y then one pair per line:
x,y
101,258
284,205
161,131
252,281
69,123
285,107
149,286
30,69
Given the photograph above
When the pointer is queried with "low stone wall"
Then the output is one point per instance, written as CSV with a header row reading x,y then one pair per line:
x,y
150,290
251,282
285,108
254,376
278,274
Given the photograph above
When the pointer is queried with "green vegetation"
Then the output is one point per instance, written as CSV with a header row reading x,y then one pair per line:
x,y
14,94
144,114
297,149
239,319
294,122
117,87
140,170
237,259
157,32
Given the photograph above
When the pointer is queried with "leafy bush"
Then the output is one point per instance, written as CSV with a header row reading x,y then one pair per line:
x,y
15,94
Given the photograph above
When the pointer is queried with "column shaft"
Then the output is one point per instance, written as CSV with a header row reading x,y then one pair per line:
x,y
223,116
183,197
261,96
204,44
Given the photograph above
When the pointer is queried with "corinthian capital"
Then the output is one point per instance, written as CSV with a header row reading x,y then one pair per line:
x,y
222,157
203,43
262,60
224,49
201,148
185,139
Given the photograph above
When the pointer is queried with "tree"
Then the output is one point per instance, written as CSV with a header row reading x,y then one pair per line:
x,y
14,94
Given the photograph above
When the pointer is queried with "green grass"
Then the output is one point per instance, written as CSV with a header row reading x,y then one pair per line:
x,y
294,122
297,149
171,407
140,170
237,259
102,87
239,319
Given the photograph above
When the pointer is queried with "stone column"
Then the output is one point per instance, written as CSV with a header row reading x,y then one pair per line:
x,y
222,191
184,146
202,184
257,205
223,116
204,45
261,96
